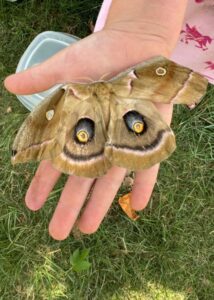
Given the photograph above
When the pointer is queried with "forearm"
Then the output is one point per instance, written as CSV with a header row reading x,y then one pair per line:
x,y
160,20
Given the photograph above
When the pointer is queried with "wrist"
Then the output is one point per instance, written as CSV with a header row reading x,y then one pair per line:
x,y
132,48
160,20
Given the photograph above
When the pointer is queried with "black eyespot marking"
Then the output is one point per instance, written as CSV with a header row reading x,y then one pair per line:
x,y
13,152
134,122
84,131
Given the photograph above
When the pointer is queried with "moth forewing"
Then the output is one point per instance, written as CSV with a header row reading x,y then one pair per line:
x,y
36,137
163,81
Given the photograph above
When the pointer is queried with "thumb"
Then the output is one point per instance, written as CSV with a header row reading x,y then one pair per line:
x,y
37,78
70,64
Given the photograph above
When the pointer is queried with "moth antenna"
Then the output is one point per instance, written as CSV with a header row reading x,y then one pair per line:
x,y
103,76
85,78
79,80
89,79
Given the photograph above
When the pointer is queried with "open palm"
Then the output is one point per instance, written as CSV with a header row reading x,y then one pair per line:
x,y
103,53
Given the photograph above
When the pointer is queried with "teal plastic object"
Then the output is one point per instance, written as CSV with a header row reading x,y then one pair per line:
x,y
41,48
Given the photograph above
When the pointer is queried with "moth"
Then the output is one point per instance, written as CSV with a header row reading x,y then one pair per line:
x,y
86,128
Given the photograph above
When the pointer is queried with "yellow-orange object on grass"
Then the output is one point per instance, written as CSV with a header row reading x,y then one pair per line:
x,y
125,204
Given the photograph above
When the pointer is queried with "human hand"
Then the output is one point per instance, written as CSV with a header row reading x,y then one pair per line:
x,y
105,52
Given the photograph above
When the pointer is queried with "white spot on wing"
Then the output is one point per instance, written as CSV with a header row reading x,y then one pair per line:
x,y
160,71
49,114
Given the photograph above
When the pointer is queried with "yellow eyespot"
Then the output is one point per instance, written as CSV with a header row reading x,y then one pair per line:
x,y
82,136
138,127
160,71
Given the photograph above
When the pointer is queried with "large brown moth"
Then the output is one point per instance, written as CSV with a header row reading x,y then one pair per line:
x,y
84,129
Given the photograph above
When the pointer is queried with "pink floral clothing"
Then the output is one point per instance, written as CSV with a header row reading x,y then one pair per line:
x,y
195,47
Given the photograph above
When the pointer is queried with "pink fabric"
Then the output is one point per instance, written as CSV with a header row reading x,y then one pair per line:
x,y
195,47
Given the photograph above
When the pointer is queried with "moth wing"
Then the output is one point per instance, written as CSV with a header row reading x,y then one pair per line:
x,y
35,139
161,80
82,114
150,143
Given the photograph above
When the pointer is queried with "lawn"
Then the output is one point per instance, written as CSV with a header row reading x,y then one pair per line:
x,y
167,254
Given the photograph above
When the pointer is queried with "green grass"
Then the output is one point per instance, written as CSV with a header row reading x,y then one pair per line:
x,y
167,254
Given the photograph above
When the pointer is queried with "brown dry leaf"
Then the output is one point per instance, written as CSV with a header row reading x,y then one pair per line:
x,y
125,204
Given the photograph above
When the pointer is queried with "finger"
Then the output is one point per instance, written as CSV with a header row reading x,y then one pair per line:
x,y
69,206
166,111
69,64
74,63
37,78
143,186
101,199
41,185
145,180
